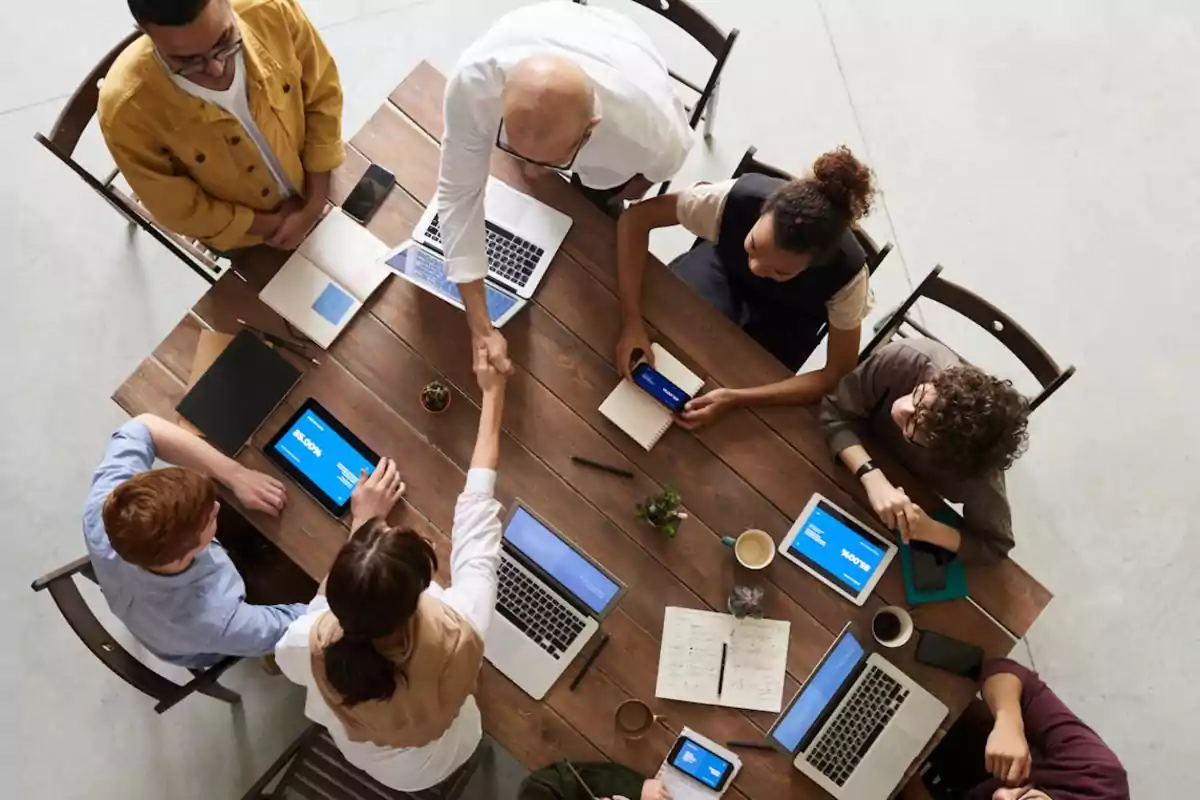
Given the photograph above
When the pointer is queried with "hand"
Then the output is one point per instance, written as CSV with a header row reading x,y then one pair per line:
x,y
256,491
377,494
633,338
490,379
706,408
497,349
889,502
265,224
294,227
655,790
1007,752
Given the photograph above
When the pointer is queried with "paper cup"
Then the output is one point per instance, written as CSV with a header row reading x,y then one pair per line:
x,y
891,626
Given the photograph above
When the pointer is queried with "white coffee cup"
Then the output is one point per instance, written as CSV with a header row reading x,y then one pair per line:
x,y
885,630
754,549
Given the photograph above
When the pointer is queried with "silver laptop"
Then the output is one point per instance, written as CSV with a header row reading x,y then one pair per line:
x,y
423,267
523,236
858,723
551,601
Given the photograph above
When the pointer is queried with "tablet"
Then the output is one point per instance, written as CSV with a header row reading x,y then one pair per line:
x,y
321,455
837,549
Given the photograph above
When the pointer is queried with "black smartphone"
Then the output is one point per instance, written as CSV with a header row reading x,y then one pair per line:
x,y
369,194
944,652
928,573
699,763
658,387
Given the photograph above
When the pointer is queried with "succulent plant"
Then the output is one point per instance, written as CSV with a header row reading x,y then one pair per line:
x,y
435,397
662,511
746,601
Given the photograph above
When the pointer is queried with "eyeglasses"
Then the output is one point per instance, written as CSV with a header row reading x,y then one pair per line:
x,y
913,426
502,143
194,65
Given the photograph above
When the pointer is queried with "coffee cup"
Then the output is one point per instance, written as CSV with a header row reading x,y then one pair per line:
x,y
753,548
634,718
892,626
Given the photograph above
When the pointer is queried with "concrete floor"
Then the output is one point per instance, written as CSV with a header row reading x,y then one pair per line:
x,y
1042,151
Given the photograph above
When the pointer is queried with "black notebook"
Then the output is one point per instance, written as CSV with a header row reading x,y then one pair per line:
x,y
238,392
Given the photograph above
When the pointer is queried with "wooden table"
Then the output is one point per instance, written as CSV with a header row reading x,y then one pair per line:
x,y
752,469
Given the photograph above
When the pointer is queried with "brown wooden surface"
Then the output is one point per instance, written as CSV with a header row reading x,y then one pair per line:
x,y
750,470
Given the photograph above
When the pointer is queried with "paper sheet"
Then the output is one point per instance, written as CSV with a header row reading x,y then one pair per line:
x,y
689,666
346,252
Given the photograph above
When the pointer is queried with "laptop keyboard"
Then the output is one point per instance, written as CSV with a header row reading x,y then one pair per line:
x,y
510,257
851,733
536,612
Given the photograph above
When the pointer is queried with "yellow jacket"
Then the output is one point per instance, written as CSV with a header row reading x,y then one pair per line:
x,y
190,162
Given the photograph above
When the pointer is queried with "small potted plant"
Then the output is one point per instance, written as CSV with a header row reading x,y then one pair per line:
x,y
435,397
746,601
663,512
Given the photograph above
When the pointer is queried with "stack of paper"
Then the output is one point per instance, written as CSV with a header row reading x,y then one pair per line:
x,y
640,415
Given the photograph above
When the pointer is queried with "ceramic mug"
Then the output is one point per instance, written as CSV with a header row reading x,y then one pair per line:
x,y
892,626
754,549
634,718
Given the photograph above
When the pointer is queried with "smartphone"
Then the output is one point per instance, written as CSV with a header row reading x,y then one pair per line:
x,y
943,652
369,194
658,387
928,573
700,764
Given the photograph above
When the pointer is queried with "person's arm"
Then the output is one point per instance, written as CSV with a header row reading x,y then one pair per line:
x,y
633,247
1007,754
375,495
255,630
986,535
323,148
254,490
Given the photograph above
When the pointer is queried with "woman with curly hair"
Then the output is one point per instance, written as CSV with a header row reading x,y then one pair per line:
x,y
951,424
776,257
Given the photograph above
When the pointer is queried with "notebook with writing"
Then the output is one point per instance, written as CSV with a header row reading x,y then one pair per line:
x,y
640,415
327,280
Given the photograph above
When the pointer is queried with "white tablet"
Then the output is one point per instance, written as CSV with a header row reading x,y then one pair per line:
x,y
838,549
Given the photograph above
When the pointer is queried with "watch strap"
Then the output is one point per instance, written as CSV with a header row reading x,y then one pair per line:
x,y
868,466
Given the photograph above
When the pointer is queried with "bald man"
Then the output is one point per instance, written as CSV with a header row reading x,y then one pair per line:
x,y
560,86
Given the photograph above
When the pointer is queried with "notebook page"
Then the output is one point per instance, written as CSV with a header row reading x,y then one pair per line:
x,y
305,296
642,417
346,252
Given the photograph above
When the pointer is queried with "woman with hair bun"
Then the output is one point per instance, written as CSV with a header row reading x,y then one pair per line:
x,y
390,659
778,258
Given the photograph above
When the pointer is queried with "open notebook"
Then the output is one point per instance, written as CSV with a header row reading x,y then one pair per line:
x,y
326,281
639,414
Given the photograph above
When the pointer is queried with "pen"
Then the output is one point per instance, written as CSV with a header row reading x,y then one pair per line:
x,y
721,676
587,462
749,745
590,660
279,341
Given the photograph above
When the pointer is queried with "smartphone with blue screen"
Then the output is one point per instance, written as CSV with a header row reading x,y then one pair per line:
x,y
700,764
653,383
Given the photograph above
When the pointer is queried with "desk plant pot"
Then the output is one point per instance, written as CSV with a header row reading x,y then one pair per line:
x,y
435,397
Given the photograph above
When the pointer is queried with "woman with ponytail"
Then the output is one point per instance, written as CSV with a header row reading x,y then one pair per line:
x,y
390,658
778,258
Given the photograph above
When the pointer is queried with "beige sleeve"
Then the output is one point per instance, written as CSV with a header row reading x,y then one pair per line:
x,y
850,306
700,206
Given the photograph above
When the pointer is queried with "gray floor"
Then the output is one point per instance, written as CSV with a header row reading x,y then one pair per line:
x,y
1042,151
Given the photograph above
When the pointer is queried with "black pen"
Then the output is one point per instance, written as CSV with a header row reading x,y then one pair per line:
x,y
590,660
279,341
721,676
587,462
749,745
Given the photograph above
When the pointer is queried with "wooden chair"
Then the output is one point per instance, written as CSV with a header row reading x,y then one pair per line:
x,y
63,589
64,139
313,769
970,305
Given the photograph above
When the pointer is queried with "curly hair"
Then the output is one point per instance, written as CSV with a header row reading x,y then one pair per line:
x,y
975,423
812,214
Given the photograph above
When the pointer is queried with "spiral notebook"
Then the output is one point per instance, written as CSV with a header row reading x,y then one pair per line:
x,y
639,414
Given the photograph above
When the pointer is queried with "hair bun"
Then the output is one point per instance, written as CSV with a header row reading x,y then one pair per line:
x,y
845,181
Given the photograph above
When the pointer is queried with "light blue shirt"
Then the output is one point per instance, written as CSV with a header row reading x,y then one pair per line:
x,y
191,619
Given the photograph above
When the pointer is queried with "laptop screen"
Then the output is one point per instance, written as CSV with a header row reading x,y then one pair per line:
x,y
560,561
428,269
822,687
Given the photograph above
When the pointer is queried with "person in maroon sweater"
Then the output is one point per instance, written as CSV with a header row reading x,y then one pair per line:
x,y
1036,749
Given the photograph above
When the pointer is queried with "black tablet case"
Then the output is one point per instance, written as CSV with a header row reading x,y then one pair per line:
x,y
238,392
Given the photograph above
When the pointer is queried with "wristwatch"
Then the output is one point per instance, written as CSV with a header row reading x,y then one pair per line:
x,y
868,466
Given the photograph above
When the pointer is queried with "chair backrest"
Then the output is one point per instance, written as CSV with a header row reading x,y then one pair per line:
x,y
81,106
1000,325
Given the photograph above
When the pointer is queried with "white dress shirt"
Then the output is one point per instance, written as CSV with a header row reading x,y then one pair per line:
x,y
474,560
643,131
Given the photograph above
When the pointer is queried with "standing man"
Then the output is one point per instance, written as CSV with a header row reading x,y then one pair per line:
x,y
560,86
225,118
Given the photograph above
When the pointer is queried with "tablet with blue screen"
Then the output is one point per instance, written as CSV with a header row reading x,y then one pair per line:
x,y
838,549
321,455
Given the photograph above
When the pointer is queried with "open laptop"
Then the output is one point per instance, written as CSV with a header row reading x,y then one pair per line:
x,y
858,723
523,236
423,267
551,601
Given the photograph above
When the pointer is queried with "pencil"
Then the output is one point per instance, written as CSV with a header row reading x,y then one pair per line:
x,y
279,341
587,462
721,675
591,659
749,745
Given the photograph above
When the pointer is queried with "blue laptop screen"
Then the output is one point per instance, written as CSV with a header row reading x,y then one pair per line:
x,y
429,270
829,543
822,686
328,460
560,561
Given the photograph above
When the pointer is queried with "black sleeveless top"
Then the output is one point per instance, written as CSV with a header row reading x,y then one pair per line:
x,y
785,317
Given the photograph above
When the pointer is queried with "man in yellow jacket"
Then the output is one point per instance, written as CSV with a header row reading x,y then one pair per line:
x,y
225,118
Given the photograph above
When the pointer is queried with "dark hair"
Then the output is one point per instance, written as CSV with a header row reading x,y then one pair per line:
x,y
168,13
812,214
157,517
975,423
373,589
